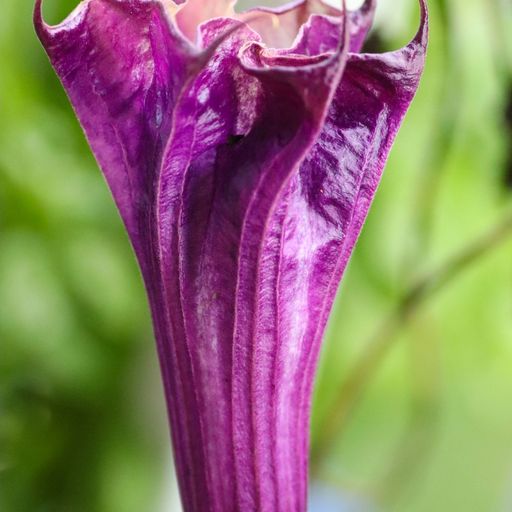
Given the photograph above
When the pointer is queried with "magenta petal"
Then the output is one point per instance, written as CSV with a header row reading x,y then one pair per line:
x,y
123,68
360,23
329,199
243,131
243,175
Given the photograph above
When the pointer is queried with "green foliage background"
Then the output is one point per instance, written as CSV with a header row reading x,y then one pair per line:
x,y
425,421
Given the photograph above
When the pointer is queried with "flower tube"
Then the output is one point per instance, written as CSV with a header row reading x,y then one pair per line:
x,y
243,152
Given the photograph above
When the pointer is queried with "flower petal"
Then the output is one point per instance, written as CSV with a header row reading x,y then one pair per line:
x,y
360,23
243,131
123,68
329,200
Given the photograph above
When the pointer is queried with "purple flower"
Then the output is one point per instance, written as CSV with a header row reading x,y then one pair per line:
x,y
243,152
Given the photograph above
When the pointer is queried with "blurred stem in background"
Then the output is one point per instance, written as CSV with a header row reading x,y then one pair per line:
x,y
402,316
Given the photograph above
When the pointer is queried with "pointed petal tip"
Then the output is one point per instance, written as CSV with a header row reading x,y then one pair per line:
x,y
368,7
421,37
39,23
208,52
45,31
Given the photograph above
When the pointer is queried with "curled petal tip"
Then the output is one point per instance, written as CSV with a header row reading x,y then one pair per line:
x,y
422,35
43,30
46,31
368,6
210,50
39,23
361,20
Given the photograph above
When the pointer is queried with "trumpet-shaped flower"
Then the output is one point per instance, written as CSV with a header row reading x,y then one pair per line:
x,y
243,152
